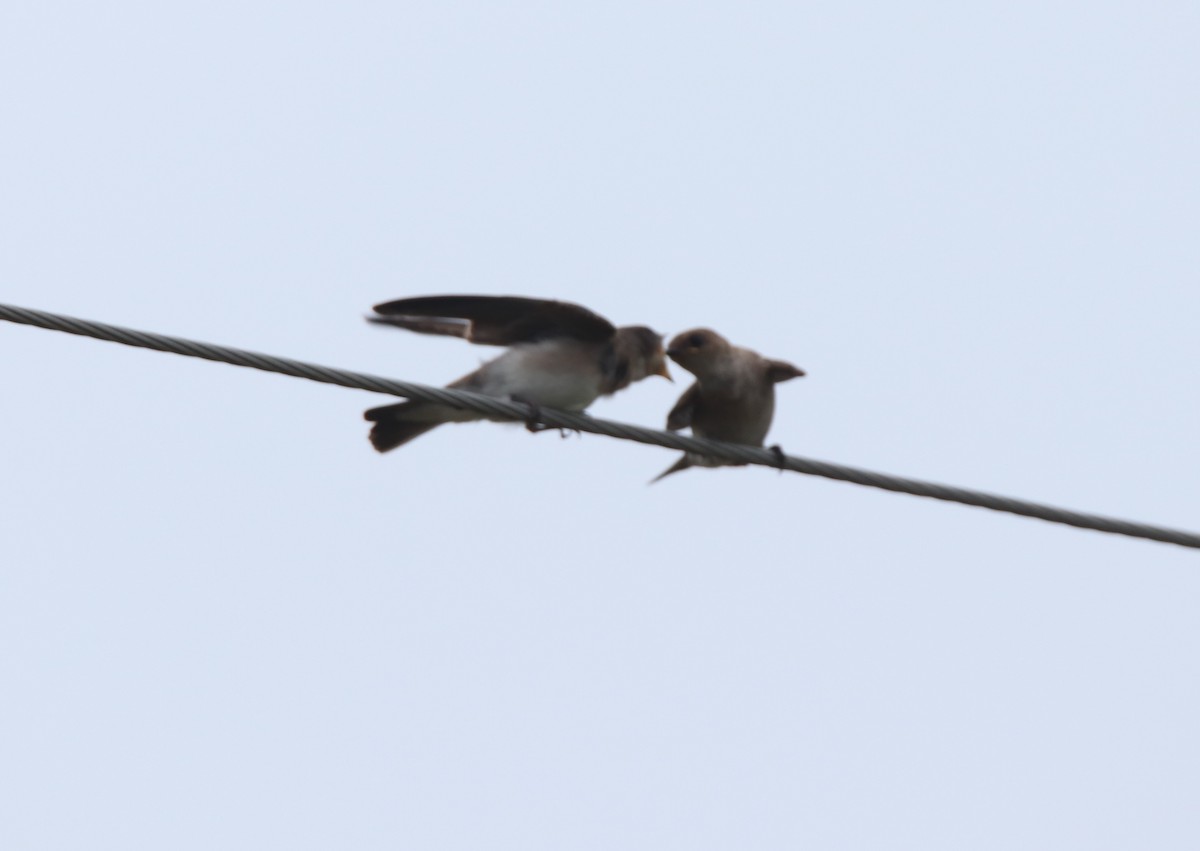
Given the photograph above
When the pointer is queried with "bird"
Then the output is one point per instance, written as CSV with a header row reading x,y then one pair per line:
x,y
558,355
732,398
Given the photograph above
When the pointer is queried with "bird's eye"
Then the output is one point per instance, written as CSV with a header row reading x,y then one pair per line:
x,y
695,341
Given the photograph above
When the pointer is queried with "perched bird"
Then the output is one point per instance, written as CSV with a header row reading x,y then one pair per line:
x,y
559,355
733,397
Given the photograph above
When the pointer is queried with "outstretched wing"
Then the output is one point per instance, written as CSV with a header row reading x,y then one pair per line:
x,y
495,320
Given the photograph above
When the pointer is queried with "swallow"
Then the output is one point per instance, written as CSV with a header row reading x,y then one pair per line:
x,y
558,355
732,398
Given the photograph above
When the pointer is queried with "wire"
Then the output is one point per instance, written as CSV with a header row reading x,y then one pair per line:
x,y
503,409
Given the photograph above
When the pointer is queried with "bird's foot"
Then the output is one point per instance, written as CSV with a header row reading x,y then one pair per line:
x,y
535,413
532,424
780,458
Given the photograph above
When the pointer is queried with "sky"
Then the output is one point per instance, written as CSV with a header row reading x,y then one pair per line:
x,y
226,622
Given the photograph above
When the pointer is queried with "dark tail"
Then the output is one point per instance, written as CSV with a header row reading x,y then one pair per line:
x,y
682,464
394,425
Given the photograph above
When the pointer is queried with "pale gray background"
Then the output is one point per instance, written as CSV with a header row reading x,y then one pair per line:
x,y
226,623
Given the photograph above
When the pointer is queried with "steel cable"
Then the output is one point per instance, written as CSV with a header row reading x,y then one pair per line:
x,y
507,410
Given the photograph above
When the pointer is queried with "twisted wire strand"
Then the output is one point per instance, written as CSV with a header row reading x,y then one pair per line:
x,y
504,409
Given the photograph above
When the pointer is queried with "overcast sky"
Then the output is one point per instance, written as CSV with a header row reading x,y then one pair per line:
x,y
225,622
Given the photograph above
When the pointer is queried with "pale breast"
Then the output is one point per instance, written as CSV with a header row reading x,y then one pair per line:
x,y
555,373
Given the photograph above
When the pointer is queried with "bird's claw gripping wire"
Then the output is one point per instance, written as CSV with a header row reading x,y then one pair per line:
x,y
532,424
535,413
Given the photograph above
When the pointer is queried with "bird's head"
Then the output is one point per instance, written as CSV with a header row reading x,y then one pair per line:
x,y
697,349
640,354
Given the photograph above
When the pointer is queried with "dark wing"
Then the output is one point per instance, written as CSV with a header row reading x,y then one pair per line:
x,y
681,415
495,320
779,370
422,325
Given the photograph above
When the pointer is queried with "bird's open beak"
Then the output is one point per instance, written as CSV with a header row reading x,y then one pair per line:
x,y
662,370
